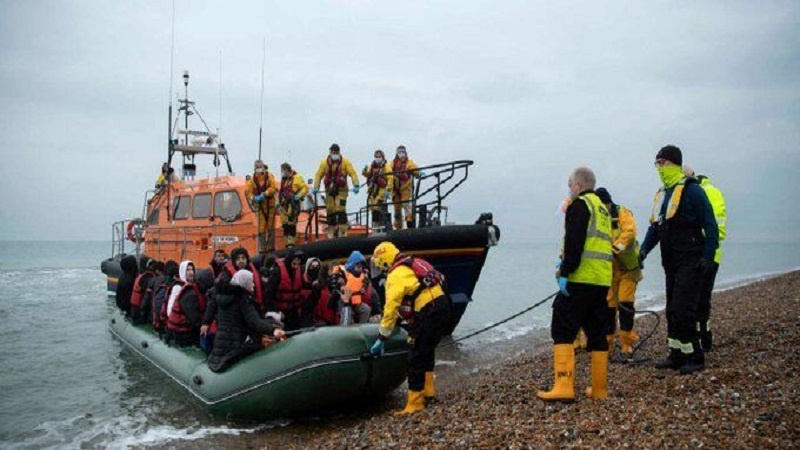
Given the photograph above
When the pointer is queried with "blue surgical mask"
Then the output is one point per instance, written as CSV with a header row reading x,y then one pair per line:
x,y
335,157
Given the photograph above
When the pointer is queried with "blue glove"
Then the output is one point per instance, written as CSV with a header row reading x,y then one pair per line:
x,y
258,198
559,261
377,348
295,198
562,286
355,189
421,174
314,191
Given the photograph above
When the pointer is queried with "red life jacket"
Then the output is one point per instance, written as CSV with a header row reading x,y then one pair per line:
x,y
399,165
288,296
427,276
260,188
375,176
138,290
256,281
287,193
335,176
176,318
322,313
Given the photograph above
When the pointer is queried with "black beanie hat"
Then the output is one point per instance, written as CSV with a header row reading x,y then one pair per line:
x,y
671,153
603,195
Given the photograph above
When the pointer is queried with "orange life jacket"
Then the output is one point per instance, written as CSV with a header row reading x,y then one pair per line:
x,y
358,285
288,296
176,318
138,290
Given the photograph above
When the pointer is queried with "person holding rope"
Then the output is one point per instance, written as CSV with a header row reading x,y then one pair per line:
x,y
415,292
261,190
626,275
584,276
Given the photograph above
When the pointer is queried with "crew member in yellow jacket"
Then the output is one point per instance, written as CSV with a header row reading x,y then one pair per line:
x,y
414,292
379,180
584,275
717,201
404,170
627,274
261,190
334,170
292,191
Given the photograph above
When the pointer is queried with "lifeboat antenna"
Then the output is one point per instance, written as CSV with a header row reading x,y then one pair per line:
x,y
261,124
219,126
169,115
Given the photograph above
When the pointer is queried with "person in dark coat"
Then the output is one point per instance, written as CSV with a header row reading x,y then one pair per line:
x,y
239,326
130,269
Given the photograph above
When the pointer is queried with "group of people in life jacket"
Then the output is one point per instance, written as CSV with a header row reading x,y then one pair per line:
x,y
237,306
386,183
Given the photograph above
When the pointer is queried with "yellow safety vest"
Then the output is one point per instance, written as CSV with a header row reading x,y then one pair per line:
x,y
718,205
595,267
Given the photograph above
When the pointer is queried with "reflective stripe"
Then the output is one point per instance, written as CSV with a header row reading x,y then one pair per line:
x,y
672,207
673,343
595,266
685,347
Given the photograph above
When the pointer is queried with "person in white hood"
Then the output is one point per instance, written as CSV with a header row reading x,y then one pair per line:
x,y
185,307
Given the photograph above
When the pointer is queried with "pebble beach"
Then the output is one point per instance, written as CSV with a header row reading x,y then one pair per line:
x,y
746,398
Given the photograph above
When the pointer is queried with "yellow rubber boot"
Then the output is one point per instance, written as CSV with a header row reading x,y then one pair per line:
x,y
416,402
564,374
627,339
429,390
599,388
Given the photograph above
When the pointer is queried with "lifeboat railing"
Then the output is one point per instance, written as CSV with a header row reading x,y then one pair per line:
x,y
432,184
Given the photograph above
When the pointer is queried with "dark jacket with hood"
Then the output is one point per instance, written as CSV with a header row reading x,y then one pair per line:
x,y
130,268
239,328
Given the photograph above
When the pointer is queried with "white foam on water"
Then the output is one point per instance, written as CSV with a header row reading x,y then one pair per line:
x,y
124,432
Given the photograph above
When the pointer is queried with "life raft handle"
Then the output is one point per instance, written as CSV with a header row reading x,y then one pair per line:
x,y
135,230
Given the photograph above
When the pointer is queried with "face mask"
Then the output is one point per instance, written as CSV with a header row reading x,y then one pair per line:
x,y
335,157
285,174
378,161
260,170
401,155
357,271
670,175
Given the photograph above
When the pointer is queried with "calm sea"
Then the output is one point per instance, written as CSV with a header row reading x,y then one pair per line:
x,y
64,382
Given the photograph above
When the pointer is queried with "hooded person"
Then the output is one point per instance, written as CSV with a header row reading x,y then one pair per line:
x,y
240,327
185,307
357,291
140,286
240,259
284,288
125,284
311,291
218,262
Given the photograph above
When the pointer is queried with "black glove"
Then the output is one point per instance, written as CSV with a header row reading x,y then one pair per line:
x,y
703,266
642,257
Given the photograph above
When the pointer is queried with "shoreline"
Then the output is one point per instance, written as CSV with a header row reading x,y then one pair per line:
x,y
744,399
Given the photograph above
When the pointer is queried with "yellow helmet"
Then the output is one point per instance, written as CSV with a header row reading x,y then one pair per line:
x,y
384,254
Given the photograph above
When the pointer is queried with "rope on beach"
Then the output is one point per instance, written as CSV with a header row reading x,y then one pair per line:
x,y
647,337
535,305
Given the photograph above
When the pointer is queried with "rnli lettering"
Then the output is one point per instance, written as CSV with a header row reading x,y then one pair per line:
x,y
225,239
563,374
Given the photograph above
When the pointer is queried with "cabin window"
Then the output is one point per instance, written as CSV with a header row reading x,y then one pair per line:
x,y
227,205
153,218
181,208
201,206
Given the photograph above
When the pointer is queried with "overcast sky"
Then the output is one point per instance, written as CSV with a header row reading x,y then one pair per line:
x,y
528,90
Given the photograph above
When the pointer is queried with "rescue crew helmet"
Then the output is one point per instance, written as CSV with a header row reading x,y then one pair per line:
x,y
384,255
